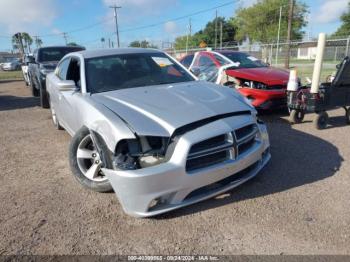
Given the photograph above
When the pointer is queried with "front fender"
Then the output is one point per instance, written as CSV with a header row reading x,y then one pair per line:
x,y
108,125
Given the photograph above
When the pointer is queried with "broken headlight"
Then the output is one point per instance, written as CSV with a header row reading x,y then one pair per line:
x,y
254,84
145,151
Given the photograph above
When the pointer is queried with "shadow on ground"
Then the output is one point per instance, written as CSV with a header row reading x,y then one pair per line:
x,y
17,102
297,159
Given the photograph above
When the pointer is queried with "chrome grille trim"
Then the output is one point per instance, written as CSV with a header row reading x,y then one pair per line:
x,y
234,144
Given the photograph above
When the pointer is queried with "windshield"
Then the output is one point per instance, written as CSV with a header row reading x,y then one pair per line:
x,y
132,70
55,54
244,60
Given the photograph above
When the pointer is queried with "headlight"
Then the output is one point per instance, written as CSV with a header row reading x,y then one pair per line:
x,y
139,153
254,84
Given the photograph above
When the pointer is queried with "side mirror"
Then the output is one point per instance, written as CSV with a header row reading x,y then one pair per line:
x,y
338,66
67,85
196,71
30,60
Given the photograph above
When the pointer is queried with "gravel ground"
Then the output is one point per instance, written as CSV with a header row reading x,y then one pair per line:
x,y
298,205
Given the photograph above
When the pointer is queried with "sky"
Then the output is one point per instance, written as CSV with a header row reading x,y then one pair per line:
x,y
154,20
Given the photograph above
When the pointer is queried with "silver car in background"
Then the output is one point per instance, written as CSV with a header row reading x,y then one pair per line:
x,y
144,127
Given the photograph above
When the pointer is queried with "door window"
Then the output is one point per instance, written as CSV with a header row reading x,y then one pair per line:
x,y
62,69
73,72
207,68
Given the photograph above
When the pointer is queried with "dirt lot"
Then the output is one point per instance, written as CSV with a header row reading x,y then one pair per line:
x,y
298,205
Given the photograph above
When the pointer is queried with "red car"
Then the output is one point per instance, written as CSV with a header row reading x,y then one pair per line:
x,y
263,85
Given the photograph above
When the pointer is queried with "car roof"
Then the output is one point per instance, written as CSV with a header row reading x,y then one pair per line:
x,y
61,46
116,51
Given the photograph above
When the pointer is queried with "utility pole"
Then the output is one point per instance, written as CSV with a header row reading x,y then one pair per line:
x,y
65,36
278,35
115,7
221,35
216,28
189,33
289,32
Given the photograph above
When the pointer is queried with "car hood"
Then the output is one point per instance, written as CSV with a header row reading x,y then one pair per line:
x,y
160,110
266,75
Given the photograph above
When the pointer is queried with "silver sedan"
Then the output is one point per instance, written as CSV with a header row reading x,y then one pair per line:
x,y
143,126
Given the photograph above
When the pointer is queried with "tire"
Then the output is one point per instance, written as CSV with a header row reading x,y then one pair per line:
x,y
44,101
347,115
321,120
296,116
35,91
80,165
54,118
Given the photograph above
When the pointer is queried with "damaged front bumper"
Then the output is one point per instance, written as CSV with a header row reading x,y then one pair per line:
x,y
154,190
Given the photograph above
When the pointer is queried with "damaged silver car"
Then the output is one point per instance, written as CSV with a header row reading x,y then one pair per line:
x,y
143,126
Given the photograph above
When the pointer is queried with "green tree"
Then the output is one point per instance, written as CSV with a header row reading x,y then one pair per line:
x,y
38,42
28,41
207,35
143,44
344,29
260,21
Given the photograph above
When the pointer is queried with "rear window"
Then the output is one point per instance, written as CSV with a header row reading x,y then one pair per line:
x,y
56,54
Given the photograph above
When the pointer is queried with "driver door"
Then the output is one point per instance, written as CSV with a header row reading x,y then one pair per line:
x,y
69,99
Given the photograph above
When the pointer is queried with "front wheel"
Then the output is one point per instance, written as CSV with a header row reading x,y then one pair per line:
x,y
44,101
35,91
347,115
86,162
321,120
296,116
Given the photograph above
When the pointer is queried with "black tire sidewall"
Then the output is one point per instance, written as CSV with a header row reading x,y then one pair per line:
x,y
44,102
296,116
103,186
321,120
35,91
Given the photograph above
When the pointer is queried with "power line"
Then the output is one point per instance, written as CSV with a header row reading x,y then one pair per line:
x,y
181,17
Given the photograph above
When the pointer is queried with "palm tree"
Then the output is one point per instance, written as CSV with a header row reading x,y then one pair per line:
x,y
38,42
27,40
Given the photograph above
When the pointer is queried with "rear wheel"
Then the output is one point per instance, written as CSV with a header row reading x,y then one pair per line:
x,y
347,115
44,101
35,91
296,116
86,162
321,120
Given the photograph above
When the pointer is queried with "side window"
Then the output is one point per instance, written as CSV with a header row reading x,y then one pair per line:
x,y
62,69
73,72
221,60
207,68
187,61
205,61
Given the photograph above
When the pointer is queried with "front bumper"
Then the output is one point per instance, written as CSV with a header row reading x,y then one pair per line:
x,y
165,187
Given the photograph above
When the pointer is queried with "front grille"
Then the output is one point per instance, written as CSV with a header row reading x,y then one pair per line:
x,y
245,131
276,87
209,152
220,148
207,160
245,138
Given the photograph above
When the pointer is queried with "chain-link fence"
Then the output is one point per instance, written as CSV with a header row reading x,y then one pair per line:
x,y
302,54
